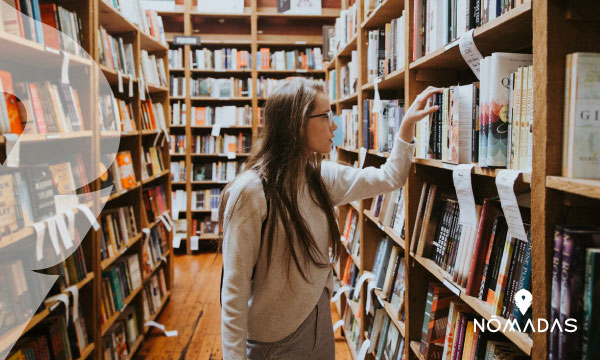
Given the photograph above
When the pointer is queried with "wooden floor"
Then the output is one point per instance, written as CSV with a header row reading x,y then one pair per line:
x,y
194,311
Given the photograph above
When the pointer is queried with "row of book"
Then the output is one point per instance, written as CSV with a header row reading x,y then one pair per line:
x,y
348,124
152,162
155,202
178,173
119,281
177,144
120,337
115,54
309,59
352,327
153,69
224,116
350,233
332,82
43,107
575,292
388,209
211,87
120,174
486,261
388,268
24,18
385,48
28,196
153,295
222,144
346,26
217,170
349,76
115,114
147,20
386,342
438,22
154,249
220,59
266,86
449,331
379,128
73,270
119,227
207,199
153,116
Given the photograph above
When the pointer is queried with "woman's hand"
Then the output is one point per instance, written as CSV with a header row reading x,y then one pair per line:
x,y
419,109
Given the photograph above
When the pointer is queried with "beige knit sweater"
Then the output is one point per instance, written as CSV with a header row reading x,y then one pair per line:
x,y
270,307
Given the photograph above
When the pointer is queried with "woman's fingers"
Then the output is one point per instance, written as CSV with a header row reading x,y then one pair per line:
x,y
427,111
426,94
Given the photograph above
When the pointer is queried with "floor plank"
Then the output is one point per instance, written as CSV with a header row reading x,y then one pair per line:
x,y
194,311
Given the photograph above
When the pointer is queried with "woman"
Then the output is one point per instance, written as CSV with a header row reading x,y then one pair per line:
x,y
277,276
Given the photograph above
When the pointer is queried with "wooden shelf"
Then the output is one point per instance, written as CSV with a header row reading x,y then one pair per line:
x,y
386,229
111,320
160,309
393,80
151,44
208,127
87,351
521,340
585,187
203,98
219,155
246,14
36,138
352,98
310,41
123,192
350,46
391,311
112,20
224,71
510,32
384,13
104,264
157,176
326,14
154,89
297,71
491,172
415,346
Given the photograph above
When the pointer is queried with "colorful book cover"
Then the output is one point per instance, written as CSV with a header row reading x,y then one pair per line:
x,y
591,295
127,176
12,108
502,64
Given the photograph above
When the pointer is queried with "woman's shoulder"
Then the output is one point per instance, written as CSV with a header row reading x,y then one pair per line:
x,y
247,189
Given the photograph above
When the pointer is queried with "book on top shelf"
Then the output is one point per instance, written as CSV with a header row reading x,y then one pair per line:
x,y
299,7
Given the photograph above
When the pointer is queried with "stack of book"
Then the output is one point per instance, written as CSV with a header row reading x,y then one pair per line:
x,y
153,69
154,249
349,126
205,226
72,271
120,175
352,328
153,294
115,54
309,59
148,20
385,337
153,116
265,86
176,58
155,202
350,235
119,281
388,209
224,116
206,199
385,49
222,144
379,128
220,59
177,86
346,26
438,23
332,85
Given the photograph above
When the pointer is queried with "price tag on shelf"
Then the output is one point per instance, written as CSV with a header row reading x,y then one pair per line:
x,y
52,50
142,89
64,73
469,51
231,155
120,82
130,86
461,175
362,155
194,243
505,182
216,130
300,42
40,229
177,241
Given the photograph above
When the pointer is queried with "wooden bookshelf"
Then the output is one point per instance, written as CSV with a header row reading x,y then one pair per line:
x,y
259,26
93,14
550,31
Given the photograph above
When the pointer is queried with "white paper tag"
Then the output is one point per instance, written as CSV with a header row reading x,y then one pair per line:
x,y
65,202
64,233
130,86
230,155
88,213
161,327
120,82
39,242
451,45
52,50
338,325
464,192
13,150
363,349
146,232
214,214
300,42
165,222
362,155
75,292
71,222
194,243
53,234
216,130
64,73
168,218
177,241
364,277
339,293
63,298
142,89
370,288
469,51
505,181
377,99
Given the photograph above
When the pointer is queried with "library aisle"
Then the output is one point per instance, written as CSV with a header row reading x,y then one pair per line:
x,y
194,311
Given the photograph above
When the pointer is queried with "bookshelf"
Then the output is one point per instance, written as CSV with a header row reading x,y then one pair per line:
x,y
87,75
548,30
259,26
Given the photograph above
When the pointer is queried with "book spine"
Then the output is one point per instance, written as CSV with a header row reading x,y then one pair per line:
x,y
556,288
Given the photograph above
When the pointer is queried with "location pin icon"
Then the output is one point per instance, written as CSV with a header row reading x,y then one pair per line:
x,y
523,300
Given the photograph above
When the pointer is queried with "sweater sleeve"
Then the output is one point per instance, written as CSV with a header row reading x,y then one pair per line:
x,y
346,183
244,212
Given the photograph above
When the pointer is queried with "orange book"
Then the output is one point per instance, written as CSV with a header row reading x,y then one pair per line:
x,y
49,18
16,125
150,26
40,120
240,142
126,169
200,116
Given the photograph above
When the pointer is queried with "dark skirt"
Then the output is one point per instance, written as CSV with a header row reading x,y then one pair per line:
x,y
312,340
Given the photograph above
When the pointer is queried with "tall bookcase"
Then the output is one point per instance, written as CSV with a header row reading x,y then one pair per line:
x,y
259,26
88,74
551,30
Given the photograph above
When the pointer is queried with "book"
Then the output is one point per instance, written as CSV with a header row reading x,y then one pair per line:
x,y
125,169
591,293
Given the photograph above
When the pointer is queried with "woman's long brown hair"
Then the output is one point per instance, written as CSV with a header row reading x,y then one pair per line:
x,y
282,158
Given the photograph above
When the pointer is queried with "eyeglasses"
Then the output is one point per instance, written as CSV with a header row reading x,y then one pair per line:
x,y
329,115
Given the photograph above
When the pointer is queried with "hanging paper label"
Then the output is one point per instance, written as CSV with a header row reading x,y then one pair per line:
x,y
63,298
88,213
464,192
505,182
231,155
177,241
339,293
120,82
39,242
377,99
363,349
214,214
142,89
75,292
161,327
13,150
53,235
366,276
362,155
194,245
64,233
338,325
130,86
469,51
216,130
